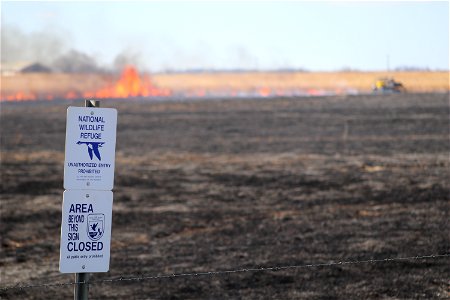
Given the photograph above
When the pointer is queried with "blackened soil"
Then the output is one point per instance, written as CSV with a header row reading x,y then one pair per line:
x,y
232,184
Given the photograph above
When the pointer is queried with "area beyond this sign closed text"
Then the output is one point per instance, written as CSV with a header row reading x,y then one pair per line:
x,y
90,148
86,231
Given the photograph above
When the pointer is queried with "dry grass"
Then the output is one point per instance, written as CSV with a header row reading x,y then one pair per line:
x,y
361,81
51,83
60,84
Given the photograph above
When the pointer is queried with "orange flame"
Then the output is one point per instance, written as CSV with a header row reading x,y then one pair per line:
x,y
264,92
19,96
129,85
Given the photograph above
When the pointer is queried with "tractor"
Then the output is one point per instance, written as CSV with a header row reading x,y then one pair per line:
x,y
388,85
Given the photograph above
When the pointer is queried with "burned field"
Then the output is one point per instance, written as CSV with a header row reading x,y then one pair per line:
x,y
232,184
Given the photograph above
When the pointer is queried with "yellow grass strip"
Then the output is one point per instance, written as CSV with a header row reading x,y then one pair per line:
x,y
60,84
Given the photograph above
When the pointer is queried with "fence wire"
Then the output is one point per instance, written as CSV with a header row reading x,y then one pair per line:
x,y
130,278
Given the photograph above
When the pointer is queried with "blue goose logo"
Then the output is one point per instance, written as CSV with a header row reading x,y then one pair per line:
x,y
92,148
95,226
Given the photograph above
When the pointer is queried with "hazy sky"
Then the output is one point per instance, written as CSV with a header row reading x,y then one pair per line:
x,y
237,34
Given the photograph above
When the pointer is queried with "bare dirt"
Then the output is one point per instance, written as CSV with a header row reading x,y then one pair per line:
x,y
231,184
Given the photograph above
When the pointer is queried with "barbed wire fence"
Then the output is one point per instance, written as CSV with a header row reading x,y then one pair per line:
x,y
131,278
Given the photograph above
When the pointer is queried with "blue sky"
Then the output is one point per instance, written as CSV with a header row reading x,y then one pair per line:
x,y
317,36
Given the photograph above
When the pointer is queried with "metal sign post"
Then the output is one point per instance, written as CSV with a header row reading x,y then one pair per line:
x,y
81,288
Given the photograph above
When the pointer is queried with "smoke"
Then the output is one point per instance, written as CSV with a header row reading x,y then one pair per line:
x,y
76,62
34,47
128,57
244,58
53,49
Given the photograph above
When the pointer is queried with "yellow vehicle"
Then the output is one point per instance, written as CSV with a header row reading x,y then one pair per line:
x,y
388,85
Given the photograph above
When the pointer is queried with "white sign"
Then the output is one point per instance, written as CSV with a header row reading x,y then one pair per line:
x,y
90,148
85,231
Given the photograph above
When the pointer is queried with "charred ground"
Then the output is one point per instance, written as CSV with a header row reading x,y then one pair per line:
x,y
231,184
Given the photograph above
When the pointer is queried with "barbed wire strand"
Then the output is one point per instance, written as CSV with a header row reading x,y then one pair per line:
x,y
225,272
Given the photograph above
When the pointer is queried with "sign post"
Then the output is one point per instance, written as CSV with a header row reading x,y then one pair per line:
x,y
81,290
87,202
